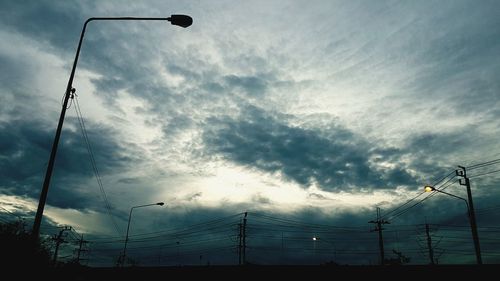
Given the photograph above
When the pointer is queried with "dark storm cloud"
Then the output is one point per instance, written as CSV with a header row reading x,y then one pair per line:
x,y
24,150
262,141
57,22
18,144
141,79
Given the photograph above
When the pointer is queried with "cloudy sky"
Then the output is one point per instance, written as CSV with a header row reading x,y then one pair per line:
x,y
299,112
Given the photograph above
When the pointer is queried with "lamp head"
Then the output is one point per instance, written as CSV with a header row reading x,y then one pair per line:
x,y
429,188
180,20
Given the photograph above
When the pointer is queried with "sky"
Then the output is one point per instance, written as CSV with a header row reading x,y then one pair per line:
x,y
308,115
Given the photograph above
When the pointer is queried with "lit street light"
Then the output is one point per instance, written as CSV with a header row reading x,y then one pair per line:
x,y
429,188
124,254
470,215
332,244
180,20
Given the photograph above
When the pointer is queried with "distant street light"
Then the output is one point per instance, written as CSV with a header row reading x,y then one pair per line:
x,y
180,20
470,216
316,238
124,254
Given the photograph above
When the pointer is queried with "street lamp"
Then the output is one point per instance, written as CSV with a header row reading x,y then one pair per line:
x,y
128,227
316,238
471,217
180,20
429,188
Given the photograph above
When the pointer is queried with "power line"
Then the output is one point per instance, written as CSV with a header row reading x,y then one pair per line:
x,y
483,174
188,231
484,164
93,162
441,186
395,210
185,229
264,232
297,223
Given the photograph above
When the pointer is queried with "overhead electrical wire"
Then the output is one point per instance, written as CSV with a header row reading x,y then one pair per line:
x,y
212,226
397,212
391,215
263,234
93,163
303,224
484,174
402,212
484,164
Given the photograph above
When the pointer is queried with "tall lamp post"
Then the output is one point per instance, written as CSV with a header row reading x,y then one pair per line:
x,y
472,219
180,20
124,254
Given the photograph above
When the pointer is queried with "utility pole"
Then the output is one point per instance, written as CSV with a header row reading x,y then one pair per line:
x,y
240,235
245,238
80,248
429,244
58,240
379,228
472,216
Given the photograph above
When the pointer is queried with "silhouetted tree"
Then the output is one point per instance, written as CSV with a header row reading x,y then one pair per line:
x,y
20,249
400,260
